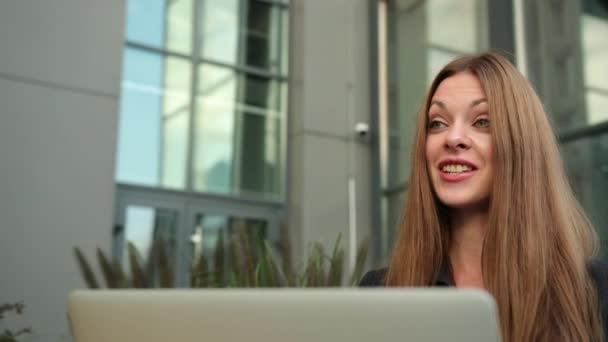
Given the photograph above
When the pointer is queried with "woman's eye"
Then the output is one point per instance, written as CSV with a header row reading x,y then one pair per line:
x,y
436,124
482,123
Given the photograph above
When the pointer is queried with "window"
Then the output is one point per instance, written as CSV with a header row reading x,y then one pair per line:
x,y
203,104
585,142
202,132
594,29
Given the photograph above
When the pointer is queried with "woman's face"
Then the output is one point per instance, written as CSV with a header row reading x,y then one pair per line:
x,y
459,150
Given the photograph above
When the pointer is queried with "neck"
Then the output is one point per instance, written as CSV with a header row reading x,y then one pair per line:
x,y
466,243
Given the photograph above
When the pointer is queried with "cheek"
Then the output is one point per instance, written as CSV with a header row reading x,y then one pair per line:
x,y
488,153
430,150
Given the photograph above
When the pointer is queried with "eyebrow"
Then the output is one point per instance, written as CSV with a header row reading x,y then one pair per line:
x,y
473,104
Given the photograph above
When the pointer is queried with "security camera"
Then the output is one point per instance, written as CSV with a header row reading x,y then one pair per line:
x,y
362,129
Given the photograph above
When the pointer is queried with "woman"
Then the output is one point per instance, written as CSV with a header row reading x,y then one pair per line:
x,y
489,206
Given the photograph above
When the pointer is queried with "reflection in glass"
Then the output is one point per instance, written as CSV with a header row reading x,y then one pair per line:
x,y
140,117
263,44
145,226
175,122
220,30
264,35
161,24
260,92
205,237
283,95
258,33
179,25
155,109
597,106
238,139
261,156
239,144
595,54
587,164
284,47
213,150
145,23
455,24
454,27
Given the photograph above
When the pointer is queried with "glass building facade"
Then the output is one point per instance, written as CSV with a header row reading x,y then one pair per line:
x,y
203,124
202,80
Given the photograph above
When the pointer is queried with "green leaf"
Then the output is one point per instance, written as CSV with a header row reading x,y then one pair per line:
x,y
138,275
199,272
236,271
256,276
264,278
85,269
336,264
164,265
362,252
119,274
315,271
5,338
233,280
249,261
278,278
286,256
219,267
107,270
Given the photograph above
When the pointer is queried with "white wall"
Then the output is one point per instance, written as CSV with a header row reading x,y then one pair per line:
x,y
60,65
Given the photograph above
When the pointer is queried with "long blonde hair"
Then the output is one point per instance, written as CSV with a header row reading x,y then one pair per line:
x,y
539,241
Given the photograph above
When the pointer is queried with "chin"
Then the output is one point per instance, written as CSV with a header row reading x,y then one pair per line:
x,y
458,201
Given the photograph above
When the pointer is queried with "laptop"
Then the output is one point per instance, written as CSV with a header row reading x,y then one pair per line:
x,y
280,315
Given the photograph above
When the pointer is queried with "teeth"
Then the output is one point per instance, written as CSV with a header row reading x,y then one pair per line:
x,y
454,168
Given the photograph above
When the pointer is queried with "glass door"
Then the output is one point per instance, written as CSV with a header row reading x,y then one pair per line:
x,y
196,238
223,248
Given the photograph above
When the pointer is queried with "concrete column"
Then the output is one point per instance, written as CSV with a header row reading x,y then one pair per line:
x,y
329,94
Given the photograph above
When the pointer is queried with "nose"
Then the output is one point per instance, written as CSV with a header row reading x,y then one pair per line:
x,y
457,138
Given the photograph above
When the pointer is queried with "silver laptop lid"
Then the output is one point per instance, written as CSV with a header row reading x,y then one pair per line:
x,y
279,315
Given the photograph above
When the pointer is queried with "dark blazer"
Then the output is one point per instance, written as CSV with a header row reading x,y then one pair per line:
x,y
598,270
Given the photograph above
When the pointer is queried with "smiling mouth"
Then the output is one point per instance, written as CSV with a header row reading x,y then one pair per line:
x,y
456,168
456,173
